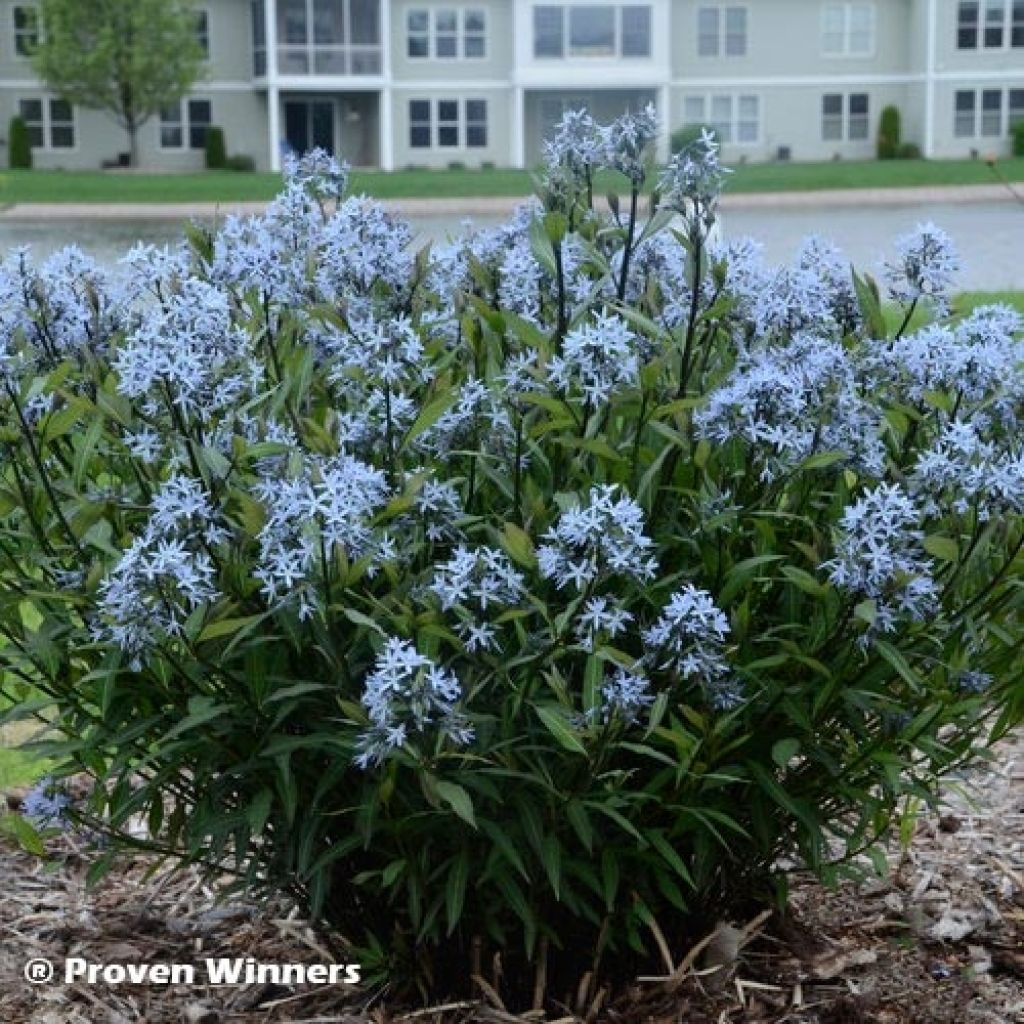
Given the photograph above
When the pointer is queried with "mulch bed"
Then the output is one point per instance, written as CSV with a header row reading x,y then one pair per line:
x,y
939,940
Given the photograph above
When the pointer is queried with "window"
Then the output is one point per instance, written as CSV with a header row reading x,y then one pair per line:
x,y
844,118
636,31
419,124
185,121
735,31
448,123
548,32
476,124
964,120
329,37
967,25
857,123
456,33
707,31
735,119
1015,107
259,38
417,26
203,32
26,30
721,30
992,112
992,24
474,34
50,123
848,30
832,117
458,124
592,31
995,15
587,30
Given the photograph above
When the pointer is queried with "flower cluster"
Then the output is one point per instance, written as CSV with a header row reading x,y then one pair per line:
x,y
407,695
596,360
788,403
166,574
602,538
688,640
925,267
880,557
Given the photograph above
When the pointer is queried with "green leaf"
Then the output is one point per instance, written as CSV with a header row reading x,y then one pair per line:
x,y
899,662
458,799
943,548
556,723
804,581
455,889
785,750
23,833
516,541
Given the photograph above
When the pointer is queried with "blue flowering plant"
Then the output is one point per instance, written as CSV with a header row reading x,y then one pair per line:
x,y
541,593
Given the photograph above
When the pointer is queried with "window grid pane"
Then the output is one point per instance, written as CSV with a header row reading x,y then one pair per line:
x,y
419,124
967,25
636,31
448,123
964,116
417,23
995,12
735,31
592,31
548,31
992,112
474,34
832,117
476,123
26,30
1017,24
707,32
1015,105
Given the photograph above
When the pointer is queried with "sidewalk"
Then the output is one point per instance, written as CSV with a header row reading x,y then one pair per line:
x,y
499,206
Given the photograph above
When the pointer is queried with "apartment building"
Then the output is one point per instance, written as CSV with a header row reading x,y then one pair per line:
x,y
429,83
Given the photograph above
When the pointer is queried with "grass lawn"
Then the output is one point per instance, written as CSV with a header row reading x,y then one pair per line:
x,y
227,186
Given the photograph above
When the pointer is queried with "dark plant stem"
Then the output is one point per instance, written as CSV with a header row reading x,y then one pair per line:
x,y
627,252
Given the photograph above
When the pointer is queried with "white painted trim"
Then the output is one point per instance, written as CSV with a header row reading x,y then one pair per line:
x,y
448,84
274,126
789,81
519,127
981,75
931,41
386,113
664,142
273,93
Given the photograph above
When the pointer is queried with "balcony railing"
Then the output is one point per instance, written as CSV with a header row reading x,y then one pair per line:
x,y
321,59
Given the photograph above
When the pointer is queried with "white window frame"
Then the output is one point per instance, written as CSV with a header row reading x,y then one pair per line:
x,y
846,117
462,32
846,8
203,30
48,123
461,124
1007,25
185,123
721,35
1008,115
567,51
18,34
735,101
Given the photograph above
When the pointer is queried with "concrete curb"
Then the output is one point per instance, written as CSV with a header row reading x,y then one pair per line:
x,y
497,206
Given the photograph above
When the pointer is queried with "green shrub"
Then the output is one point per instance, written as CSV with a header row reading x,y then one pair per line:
x,y
240,162
889,134
216,151
689,134
534,596
909,151
19,145
1018,139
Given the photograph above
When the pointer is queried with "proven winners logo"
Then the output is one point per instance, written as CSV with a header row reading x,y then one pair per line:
x,y
223,971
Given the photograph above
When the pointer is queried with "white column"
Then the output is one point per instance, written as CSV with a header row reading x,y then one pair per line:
x,y
664,144
386,111
518,126
273,91
387,129
274,126
929,82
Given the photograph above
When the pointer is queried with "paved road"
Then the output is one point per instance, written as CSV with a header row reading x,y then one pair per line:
x,y
984,221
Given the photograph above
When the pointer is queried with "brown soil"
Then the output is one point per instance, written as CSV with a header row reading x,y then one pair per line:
x,y
938,940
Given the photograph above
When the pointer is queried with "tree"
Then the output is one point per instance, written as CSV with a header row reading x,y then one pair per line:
x,y
130,58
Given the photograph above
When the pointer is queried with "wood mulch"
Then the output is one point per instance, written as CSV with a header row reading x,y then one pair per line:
x,y
938,940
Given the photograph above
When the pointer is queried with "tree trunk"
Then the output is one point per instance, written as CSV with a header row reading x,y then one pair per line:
x,y
133,144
